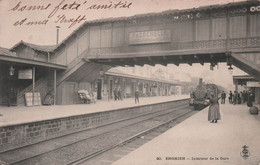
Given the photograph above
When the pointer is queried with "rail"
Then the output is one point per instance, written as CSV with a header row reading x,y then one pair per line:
x,y
57,146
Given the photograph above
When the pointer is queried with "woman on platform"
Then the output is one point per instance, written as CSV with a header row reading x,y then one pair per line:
x,y
214,112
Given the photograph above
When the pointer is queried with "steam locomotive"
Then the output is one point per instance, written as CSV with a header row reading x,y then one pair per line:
x,y
200,97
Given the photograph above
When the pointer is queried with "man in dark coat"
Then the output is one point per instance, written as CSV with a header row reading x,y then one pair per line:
x,y
115,94
119,94
230,97
250,99
137,96
223,97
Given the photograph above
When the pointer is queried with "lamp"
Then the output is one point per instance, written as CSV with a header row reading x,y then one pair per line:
x,y
230,69
229,60
101,72
11,71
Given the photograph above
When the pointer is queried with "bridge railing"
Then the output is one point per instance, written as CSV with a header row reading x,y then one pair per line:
x,y
195,45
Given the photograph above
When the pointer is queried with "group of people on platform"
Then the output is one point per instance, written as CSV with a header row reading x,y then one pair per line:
x,y
118,95
238,98
234,98
242,97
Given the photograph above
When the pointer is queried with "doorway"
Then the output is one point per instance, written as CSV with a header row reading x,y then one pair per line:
x,y
99,89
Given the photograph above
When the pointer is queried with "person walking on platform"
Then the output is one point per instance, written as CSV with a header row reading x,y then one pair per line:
x,y
115,94
230,97
223,97
137,96
119,94
214,112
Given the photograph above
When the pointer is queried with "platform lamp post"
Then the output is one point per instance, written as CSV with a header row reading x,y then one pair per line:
x,y
101,74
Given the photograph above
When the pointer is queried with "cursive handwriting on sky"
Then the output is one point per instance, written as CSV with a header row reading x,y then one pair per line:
x,y
65,6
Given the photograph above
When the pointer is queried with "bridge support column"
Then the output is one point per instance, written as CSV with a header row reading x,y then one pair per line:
x,y
54,86
236,89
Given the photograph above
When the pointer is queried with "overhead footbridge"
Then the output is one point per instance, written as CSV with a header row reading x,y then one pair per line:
x,y
211,34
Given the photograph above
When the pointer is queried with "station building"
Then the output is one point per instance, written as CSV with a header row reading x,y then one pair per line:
x,y
32,69
227,33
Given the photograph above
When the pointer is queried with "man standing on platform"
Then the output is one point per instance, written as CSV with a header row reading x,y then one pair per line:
x,y
230,97
235,98
119,94
223,97
115,94
136,96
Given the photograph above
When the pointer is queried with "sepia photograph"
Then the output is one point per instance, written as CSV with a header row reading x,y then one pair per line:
x,y
129,82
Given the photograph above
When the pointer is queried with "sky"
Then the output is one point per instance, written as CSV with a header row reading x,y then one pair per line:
x,y
15,14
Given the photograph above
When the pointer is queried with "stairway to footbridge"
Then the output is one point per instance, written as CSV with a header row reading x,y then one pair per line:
x,y
210,34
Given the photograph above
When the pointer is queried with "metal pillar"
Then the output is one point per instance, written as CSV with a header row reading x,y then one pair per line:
x,y
54,84
236,89
33,86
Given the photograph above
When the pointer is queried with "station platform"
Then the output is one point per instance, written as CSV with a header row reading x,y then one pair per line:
x,y
20,115
196,141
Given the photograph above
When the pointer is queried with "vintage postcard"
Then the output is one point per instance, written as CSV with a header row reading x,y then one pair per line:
x,y
128,82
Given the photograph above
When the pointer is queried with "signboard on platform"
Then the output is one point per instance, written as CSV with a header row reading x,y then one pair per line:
x,y
25,74
147,37
253,84
32,99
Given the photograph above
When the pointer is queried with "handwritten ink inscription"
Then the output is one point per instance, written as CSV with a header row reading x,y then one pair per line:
x,y
53,11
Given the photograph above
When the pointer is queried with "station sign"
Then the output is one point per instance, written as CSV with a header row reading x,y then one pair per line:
x,y
253,84
25,74
147,37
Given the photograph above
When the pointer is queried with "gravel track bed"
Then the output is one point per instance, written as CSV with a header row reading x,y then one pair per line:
x,y
80,149
46,146
115,154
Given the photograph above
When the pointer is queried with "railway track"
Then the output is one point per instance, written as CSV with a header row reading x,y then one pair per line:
x,y
110,154
78,146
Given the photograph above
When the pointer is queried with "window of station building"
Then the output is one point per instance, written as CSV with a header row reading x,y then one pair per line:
x,y
202,30
118,37
71,52
61,57
185,31
83,42
238,27
106,36
254,25
94,37
219,28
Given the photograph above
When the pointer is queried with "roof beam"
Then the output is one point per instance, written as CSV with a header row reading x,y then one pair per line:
x,y
32,62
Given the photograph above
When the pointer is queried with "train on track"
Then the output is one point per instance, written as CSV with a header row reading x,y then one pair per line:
x,y
199,98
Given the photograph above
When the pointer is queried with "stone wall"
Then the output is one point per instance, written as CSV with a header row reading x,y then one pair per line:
x,y
15,136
